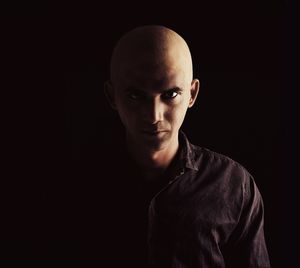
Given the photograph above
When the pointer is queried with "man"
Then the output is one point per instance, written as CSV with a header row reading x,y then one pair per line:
x,y
178,205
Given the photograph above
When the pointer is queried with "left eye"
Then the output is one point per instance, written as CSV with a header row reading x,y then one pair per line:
x,y
170,95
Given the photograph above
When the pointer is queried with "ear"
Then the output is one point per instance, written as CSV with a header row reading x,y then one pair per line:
x,y
195,85
109,92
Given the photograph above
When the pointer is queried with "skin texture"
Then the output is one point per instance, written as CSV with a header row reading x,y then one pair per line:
x,y
151,88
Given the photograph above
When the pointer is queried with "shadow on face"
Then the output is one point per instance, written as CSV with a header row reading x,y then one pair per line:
x,y
151,84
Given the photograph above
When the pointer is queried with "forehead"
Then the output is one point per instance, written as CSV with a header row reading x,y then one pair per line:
x,y
151,76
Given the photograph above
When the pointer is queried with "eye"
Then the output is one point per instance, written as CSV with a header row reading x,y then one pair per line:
x,y
134,95
170,94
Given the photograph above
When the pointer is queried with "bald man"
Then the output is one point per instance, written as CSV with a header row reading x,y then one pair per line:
x,y
173,204
151,88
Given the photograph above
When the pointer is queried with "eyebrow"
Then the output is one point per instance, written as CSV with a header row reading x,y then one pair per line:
x,y
177,89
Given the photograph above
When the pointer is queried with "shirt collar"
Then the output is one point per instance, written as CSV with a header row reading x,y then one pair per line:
x,y
187,155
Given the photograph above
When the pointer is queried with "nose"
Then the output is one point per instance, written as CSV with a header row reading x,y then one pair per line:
x,y
153,111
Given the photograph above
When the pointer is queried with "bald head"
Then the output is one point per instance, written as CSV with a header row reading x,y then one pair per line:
x,y
150,50
152,87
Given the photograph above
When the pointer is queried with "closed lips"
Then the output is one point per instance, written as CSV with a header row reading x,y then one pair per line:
x,y
153,131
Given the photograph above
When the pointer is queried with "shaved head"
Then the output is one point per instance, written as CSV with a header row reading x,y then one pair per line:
x,y
152,86
150,48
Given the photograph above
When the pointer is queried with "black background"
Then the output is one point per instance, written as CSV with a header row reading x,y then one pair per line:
x,y
56,61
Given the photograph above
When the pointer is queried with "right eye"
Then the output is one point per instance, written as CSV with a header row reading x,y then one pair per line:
x,y
134,95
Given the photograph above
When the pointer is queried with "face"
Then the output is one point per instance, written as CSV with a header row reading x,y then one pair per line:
x,y
152,102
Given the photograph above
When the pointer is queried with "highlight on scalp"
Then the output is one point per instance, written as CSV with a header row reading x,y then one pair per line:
x,y
150,41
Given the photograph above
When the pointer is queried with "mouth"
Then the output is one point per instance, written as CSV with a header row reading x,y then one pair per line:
x,y
153,132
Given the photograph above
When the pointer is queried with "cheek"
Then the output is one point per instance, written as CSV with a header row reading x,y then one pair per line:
x,y
127,114
176,114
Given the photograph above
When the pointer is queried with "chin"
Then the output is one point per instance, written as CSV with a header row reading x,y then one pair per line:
x,y
155,143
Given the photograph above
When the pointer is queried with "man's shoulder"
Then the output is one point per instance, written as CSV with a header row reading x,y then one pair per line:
x,y
217,157
216,163
199,157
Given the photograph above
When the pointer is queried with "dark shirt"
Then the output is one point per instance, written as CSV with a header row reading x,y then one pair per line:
x,y
206,211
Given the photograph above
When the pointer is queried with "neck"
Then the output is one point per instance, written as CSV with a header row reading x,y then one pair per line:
x,y
153,161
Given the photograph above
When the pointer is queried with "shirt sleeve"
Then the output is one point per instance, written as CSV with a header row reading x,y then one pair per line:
x,y
246,246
